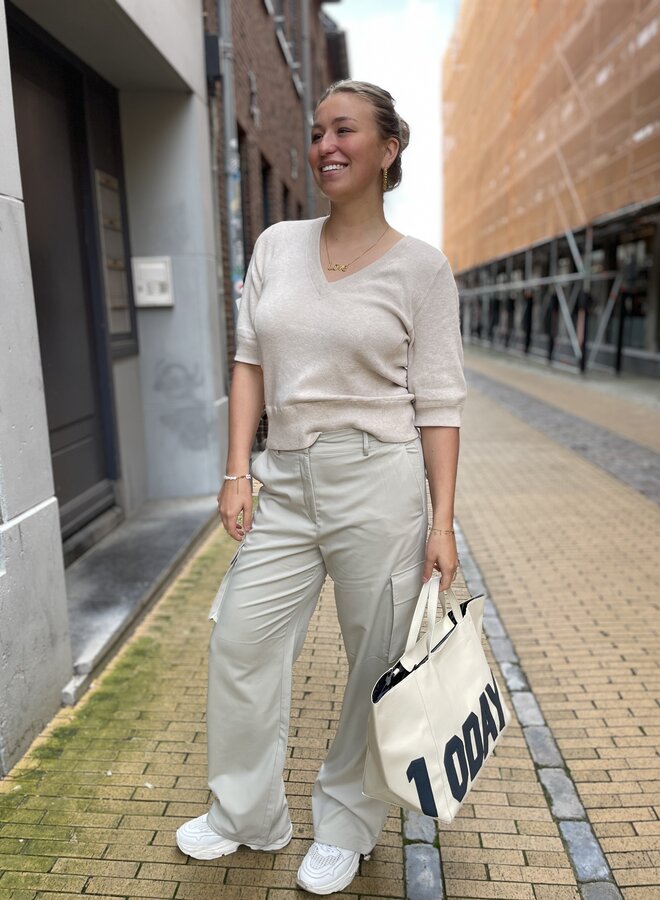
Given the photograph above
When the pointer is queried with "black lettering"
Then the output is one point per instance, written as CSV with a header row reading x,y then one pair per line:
x,y
418,771
488,726
494,696
474,748
454,748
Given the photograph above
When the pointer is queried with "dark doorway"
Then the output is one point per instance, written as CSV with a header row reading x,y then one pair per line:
x,y
48,109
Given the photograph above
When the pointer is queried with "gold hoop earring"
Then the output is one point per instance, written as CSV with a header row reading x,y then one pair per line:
x,y
385,181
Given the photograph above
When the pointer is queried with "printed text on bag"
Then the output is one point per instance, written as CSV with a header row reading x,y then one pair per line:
x,y
466,753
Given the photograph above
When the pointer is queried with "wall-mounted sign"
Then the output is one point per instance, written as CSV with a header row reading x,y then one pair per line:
x,y
152,281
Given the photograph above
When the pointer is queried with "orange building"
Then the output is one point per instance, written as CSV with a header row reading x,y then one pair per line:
x,y
551,114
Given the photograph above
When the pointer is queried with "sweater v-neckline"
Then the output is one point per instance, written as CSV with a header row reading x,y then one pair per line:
x,y
315,265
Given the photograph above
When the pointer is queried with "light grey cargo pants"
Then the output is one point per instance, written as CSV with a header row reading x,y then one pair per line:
x,y
353,507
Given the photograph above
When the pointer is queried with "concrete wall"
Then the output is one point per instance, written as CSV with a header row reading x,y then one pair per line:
x,y
167,166
172,429
10,179
132,485
178,36
183,396
131,43
35,655
170,399
172,433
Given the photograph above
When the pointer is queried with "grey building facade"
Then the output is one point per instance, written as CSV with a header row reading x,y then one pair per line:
x,y
117,300
113,388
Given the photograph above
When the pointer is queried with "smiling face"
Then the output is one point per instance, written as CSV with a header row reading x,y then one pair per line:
x,y
346,153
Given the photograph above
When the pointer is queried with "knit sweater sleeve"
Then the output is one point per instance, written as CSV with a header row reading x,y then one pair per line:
x,y
247,345
435,355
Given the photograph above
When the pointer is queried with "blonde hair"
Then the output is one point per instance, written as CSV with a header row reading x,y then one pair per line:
x,y
388,122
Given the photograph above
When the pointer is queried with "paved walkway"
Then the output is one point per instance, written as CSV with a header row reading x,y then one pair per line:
x,y
94,806
569,554
629,405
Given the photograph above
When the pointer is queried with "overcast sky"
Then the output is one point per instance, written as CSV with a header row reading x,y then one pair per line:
x,y
399,44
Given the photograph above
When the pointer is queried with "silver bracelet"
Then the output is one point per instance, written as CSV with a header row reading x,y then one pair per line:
x,y
236,477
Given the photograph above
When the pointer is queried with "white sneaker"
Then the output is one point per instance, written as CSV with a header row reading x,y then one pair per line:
x,y
326,869
199,840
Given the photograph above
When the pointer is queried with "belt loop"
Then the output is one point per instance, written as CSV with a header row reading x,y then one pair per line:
x,y
365,443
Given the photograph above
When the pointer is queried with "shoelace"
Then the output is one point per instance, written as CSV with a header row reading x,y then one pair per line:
x,y
324,853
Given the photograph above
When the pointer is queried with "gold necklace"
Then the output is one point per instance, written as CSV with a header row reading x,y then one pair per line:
x,y
341,267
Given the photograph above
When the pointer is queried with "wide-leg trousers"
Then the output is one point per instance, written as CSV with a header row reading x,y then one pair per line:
x,y
353,507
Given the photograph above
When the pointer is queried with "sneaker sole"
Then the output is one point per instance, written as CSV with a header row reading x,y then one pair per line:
x,y
210,853
337,885
215,853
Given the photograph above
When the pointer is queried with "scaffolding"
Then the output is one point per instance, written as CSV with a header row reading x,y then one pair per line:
x,y
551,117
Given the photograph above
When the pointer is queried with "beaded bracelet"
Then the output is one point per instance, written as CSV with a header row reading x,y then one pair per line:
x,y
236,477
442,530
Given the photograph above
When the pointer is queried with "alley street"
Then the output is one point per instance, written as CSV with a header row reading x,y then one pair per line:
x,y
558,506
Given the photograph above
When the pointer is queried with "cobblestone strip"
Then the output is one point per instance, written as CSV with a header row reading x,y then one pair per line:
x,y
423,864
628,405
629,462
594,876
504,842
571,557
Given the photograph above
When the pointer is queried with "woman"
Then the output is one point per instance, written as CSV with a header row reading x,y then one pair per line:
x,y
349,332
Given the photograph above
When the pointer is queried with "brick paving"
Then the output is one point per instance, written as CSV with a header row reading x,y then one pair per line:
x,y
94,805
571,558
623,458
628,405
569,555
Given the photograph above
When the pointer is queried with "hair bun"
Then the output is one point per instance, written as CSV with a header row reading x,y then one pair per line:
x,y
404,131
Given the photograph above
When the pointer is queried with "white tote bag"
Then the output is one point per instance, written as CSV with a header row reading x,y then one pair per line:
x,y
437,714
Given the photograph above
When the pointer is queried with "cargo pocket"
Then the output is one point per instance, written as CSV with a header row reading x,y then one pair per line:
x,y
406,586
215,606
261,457
415,458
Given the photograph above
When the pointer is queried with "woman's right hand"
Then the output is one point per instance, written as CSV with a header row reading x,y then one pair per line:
x,y
246,404
235,507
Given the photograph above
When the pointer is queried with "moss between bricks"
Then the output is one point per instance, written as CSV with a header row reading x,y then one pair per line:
x,y
121,686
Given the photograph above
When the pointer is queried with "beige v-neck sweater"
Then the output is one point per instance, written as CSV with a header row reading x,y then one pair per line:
x,y
379,350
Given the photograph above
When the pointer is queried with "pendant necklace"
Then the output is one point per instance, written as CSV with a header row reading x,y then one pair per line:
x,y
341,267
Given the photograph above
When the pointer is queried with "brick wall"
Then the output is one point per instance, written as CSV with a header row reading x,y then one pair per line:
x,y
269,114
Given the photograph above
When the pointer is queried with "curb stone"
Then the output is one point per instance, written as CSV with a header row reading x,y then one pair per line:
x,y
423,874
593,874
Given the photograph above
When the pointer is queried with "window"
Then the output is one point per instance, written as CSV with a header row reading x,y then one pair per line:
x,y
245,193
108,206
266,178
113,254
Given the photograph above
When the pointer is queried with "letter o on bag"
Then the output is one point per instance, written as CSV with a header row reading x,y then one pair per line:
x,y
455,753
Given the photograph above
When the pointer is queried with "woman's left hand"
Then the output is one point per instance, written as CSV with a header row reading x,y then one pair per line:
x,y
441,554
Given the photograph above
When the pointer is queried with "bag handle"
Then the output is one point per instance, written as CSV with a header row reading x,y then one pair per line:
x,y
428,600
418,615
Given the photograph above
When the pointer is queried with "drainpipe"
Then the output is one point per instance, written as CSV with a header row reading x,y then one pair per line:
x,y
234,210
308,109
